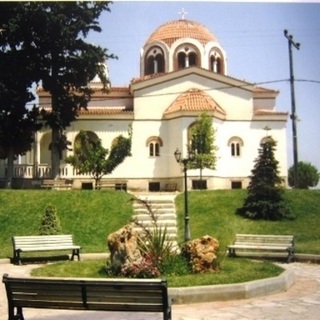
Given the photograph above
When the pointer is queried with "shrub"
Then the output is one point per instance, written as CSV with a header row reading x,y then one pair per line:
x,y
175,265
144,268
308,175
50,224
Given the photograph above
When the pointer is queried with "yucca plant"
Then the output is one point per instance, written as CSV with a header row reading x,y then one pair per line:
x,y
156,243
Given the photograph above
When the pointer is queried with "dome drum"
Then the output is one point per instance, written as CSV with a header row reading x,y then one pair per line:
x,y
182,44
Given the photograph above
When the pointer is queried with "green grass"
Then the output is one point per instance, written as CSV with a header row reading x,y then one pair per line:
x,y
232,271
92,215
213,213
89,215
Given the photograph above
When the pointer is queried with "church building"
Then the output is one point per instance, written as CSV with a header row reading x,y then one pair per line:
x,y
183,73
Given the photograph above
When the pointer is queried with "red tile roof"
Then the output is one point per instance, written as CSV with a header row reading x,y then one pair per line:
x,y
174,30
262,112
194,100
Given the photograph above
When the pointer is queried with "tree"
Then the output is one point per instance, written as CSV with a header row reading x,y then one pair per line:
x,y
66,62
202,136
50,224
90,157
308,175
17,74
265,198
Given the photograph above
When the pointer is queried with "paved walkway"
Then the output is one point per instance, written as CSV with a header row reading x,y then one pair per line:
x,y
301,301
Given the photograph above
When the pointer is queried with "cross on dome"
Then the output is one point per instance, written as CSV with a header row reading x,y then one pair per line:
x,y
183,13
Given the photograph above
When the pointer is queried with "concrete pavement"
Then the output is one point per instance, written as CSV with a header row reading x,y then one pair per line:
x,y
300,301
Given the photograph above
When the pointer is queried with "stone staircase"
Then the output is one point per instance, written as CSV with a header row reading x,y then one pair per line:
x,y
162,207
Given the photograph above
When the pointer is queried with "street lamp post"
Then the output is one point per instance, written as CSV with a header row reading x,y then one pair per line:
x,y
185,161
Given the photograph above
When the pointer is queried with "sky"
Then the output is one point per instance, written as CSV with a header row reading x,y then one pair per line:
x,y
252,34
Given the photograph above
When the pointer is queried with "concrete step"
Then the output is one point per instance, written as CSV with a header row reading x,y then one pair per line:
x,y
170,230
164,211
156,212
159,216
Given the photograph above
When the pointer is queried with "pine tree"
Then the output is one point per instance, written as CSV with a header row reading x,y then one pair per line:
x,y
265,198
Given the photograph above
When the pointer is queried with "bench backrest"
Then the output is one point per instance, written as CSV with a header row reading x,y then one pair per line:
x,y
267,239
84,294
50,241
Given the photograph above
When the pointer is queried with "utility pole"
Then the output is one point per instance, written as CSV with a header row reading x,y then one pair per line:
x,y
293,108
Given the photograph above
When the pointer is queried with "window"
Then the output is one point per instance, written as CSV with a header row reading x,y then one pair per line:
x,y
235,144
154,186
236,185
235,149
187,56
154,144
265,139
216,61
154,149
154,62
199,184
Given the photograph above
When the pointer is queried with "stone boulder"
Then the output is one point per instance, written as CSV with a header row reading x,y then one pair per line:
x,y
123,247
202,254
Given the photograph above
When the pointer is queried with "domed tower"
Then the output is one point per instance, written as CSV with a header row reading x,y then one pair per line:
x,y
181,44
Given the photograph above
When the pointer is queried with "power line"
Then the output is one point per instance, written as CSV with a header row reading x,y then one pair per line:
x,y
208,89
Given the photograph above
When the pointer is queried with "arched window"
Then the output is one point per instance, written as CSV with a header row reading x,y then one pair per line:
x,y
192,59
187,56
91,135
45,153
216,62
265,139
235,144
182,60
159,63
154,62
235,149
154,144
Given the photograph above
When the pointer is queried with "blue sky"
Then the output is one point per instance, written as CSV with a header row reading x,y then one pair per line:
x,y
252,34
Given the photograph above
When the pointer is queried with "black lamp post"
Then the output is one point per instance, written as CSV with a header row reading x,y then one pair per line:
x,y
185,161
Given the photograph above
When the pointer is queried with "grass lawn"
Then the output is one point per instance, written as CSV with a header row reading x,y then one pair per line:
x,y
232,271
213,213
92,215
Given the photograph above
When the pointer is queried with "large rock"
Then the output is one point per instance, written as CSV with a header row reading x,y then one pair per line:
x,y
202,254
123,247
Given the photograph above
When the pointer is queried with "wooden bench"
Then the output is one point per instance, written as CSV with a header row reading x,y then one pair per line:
x,y
112,184
263,245
43,243
131,295
56,184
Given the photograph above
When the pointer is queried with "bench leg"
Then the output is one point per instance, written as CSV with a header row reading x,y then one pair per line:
x,y
231,252
18,316
16,257
290,256
75,252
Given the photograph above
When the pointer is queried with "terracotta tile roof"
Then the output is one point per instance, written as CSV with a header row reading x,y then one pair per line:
x,y
173,30
194,100
262,112
149,76
105,110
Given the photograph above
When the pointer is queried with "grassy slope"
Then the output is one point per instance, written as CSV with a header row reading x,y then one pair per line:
x,y
92,215
212,213
89,216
